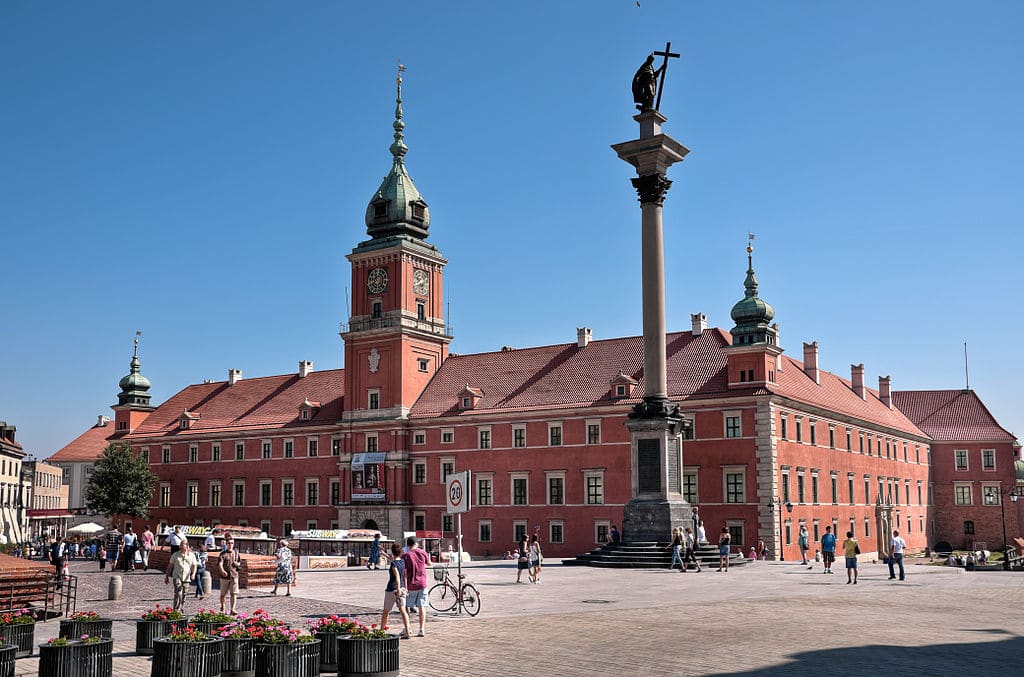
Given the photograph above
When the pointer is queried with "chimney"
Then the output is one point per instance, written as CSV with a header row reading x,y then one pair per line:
x,y
234,376
699,322
102,421
811,361
857,379
885,390
583,336
305,368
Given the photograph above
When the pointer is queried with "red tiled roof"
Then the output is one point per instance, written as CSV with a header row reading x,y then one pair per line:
x,y
86,447
565,375
951,415
271,401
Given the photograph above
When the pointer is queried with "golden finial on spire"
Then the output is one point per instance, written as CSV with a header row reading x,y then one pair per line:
x,y
750,243
401,69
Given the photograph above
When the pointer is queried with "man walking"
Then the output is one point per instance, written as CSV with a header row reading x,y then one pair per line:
x,y
896,547
130,546
828,549
181,569
147,547
416,560
851,549
803,541
58,553
228,565
114,540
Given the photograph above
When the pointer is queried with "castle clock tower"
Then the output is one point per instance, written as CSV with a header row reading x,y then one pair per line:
x,y
396,337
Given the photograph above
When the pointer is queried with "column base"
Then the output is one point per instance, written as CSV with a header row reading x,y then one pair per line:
x,y
653,519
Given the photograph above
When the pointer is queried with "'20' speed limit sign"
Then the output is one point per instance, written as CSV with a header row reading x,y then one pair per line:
x,y
457,497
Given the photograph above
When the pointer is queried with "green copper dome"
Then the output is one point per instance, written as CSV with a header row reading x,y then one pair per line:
x,y
397,208
1019,467
134,387
751,314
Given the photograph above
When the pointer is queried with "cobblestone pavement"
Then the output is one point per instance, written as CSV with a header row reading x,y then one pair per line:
x,y
761,619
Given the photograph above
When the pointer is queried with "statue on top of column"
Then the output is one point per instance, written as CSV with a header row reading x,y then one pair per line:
x,y
645,84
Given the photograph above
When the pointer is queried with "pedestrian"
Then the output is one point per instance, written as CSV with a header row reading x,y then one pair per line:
x,y
535,557
147,546
896,547
374,559
523,559
200,555
851,549
227,566
58,556
175,538
114,540
181,569
828,549
395,592
803,540
615,537
690,555
416,560
762,549
700,533
677,551
695,518
130,546
724,543
284,574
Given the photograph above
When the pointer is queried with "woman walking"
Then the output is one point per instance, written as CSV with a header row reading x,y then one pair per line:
x,y
677,552
523,563
535,558
724,541
690,555
395,592
284,574
200,554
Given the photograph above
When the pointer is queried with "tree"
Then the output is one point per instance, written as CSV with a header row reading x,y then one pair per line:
x,y
121,483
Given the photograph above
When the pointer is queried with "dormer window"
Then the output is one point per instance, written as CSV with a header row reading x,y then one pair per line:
x,y
380,209
186,419
304,415
418,210
469,397
308,409
622,386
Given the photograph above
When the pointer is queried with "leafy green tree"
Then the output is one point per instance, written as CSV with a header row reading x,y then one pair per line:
x,y
121,484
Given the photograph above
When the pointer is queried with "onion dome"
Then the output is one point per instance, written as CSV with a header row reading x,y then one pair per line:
x,y
397,208
1019,467
751,314
134,387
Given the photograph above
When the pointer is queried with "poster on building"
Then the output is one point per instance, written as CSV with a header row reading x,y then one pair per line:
x,y
368,477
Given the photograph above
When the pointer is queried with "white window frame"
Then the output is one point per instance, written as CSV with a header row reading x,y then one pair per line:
x,y
193,453
440,467
599,474
312,447
419,437
520,523
551,531
220,494
597,527
512,477
587,425
548,476
967,460
970,493
449,433
234,493
516,427
370,393
692,471
312,482
419,514
423,364
375,445
270,499
287,483
487,476
552,426
997,493
266,449
479,531
993,452
288,448
726,415
424,466
732,470
480,432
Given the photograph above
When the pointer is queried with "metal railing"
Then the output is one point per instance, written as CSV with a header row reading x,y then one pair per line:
x,y
41,591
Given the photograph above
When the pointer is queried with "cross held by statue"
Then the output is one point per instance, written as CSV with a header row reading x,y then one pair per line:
x,y
668,54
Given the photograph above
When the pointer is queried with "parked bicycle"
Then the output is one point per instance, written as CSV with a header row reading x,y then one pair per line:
x,y
446,595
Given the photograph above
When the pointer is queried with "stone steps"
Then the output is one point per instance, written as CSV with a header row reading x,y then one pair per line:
x,y
645,555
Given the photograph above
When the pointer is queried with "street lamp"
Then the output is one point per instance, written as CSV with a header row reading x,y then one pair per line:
x,y
1014,493
789,508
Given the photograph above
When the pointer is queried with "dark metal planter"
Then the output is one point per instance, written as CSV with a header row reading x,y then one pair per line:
x,y
186,659
238,657
147,631
208,628
77,659
288,660
8,657
368,657
22,635
70,629
329,650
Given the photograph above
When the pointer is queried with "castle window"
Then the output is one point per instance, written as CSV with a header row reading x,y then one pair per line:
x,y
380,209
265,450
417,211
555,434
371,442
969,527
988,459
424,364
519,436
960,458
373,399
377,310
732,426
216,452
289,449
620,391
421,311
419,473
419,437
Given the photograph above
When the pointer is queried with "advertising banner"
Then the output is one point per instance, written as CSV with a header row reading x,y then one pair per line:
x,y
368,477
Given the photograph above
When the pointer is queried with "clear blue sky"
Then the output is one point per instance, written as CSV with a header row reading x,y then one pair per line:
x,y
199,171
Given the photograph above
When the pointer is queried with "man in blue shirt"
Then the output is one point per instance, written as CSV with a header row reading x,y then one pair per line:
x,y
828,549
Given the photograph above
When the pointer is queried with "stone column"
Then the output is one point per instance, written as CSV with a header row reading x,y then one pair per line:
x,y
657,504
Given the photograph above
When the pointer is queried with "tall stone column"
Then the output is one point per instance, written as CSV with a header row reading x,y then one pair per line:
x,y
657,504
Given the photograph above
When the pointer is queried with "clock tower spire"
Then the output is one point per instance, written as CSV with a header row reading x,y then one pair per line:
x,y
396,337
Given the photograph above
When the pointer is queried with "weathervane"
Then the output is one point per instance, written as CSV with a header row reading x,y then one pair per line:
x,y
648,83
136,341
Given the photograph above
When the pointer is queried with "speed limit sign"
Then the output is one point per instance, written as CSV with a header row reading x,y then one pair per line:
x,y
457,494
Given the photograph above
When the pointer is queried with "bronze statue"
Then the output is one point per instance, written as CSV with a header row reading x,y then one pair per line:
x,y
645,84
646,87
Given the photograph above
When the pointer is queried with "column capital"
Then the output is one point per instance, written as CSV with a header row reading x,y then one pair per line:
x,y
652,188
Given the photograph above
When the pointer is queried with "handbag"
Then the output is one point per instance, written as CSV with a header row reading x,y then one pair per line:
x,y
886,560
856,549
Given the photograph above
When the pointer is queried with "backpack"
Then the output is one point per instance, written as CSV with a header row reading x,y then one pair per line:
x,y
55,553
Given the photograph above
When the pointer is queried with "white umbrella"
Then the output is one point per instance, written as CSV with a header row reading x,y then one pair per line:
x,y
87,528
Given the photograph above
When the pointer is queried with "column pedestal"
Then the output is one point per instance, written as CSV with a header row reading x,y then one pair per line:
x,y
658,505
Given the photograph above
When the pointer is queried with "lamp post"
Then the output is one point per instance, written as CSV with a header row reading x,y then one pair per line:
x,y
789,508
1014,493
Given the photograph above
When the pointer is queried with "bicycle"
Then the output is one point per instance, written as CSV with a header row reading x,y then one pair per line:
x,y
446,596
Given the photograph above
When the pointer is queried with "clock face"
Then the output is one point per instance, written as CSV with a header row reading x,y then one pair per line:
x,y
377,281
421,282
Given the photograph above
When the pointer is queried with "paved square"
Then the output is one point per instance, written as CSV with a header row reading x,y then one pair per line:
x,y
763,618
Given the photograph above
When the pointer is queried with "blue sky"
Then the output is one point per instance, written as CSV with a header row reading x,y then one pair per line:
x,y
199,171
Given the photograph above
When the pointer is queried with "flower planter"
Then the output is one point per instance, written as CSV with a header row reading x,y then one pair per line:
x,y
21,635
288,660
186,659
363,657
76,659
238,657
209,628
8,657
147,631
71,629
329,650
